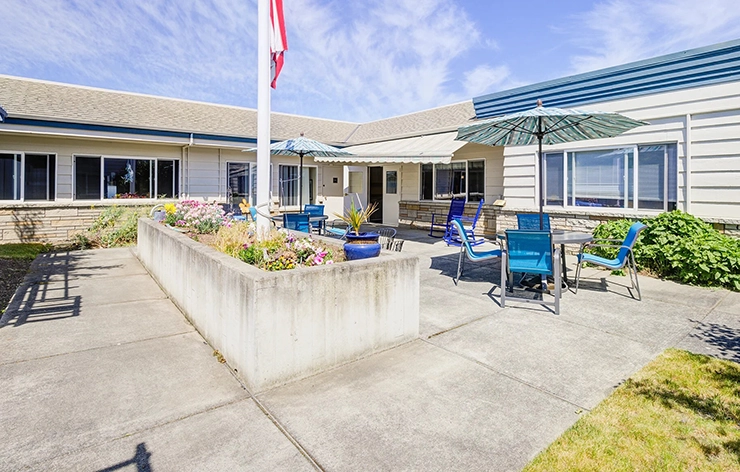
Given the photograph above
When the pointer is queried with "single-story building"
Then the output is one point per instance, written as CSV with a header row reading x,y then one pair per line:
x,y
66,151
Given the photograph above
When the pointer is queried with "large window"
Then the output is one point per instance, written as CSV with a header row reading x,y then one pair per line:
x,y
458,179
288,185
112,177
27,176
636,177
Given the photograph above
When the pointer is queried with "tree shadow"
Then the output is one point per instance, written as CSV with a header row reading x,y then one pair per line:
x,y
723,338
27,224
140,460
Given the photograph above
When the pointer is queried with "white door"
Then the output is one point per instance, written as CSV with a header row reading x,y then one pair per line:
x,y
391,194
354,186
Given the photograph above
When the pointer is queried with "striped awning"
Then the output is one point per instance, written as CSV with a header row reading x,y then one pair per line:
x,y
435,148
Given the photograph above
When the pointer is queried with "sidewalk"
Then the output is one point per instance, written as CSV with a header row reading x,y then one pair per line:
x,y
102,372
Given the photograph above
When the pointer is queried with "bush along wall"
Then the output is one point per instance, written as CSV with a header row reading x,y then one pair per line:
x,y
680,246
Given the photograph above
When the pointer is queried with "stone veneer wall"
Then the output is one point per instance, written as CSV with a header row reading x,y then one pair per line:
x,y
52,222
494,219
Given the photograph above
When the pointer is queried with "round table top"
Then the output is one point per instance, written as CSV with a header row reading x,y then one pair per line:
x,y
311,217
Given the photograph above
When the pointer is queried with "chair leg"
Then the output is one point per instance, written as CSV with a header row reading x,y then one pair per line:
x,y
578,273
636,283
460,263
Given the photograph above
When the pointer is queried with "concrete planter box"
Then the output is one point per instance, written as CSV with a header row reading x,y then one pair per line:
x,y
273,327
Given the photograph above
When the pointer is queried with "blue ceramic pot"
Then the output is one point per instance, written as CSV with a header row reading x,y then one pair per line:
x,y
361,246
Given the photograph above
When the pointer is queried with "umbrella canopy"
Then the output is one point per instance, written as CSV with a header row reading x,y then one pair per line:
x,y
546,126
300,147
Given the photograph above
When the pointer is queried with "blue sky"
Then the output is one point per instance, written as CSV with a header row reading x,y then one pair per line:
x,y
347,60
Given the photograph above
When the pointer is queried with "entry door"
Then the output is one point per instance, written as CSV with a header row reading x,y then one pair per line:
x,y
392,194
375,192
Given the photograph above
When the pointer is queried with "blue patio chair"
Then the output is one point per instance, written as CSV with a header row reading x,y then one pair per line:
x,y
625,256
315,210
457,208
467,248
532,221
297,222
253,213
451,235
337,228
531,252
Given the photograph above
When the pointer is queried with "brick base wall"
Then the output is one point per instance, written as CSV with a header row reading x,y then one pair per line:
x,y
419,215
53,223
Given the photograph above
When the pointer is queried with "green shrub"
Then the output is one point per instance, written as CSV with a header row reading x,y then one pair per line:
x,y
115,227
676,245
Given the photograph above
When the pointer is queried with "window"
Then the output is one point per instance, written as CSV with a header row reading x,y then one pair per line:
x,y
27,176
10,176
112,177
238,181
168,178
391,182
288,185
458,179
638,177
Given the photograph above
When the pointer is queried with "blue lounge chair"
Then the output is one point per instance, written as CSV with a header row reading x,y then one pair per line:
x,y
337,228
457,207
466,247
532,221
451,236
315,210
297,222
625,256
531,252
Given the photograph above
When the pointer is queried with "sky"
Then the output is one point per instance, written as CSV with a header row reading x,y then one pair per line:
x,y
347,60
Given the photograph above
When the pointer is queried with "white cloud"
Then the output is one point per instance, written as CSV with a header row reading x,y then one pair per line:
x,y
346,60
620,31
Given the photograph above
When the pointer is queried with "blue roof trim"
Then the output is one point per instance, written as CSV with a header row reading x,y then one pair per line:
x,y
3,114
125,130
695,67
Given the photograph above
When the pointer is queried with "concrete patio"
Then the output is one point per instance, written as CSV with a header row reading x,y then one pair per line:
x,y
102,372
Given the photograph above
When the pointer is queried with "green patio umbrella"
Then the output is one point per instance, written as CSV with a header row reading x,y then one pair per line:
x,y
546,126
303,146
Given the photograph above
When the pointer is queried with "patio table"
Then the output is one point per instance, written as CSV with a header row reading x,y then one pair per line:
x,y
312,219
563,237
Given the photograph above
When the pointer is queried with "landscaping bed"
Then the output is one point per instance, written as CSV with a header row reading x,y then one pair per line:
x,y
277,326
15,262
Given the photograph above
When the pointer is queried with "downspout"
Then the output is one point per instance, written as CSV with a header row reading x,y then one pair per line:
x,y
185,156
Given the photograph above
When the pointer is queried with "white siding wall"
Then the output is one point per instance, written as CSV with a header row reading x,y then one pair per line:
x,y
714,148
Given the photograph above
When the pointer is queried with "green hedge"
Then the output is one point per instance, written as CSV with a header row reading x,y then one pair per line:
x,y
679,246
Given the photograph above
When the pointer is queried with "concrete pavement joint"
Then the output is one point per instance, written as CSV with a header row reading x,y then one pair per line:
x,y
508,376
125,343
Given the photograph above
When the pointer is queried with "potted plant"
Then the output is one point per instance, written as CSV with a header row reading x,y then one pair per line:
x,y
359,245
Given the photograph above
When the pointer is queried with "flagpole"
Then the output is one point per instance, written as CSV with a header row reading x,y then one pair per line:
x,y
263,114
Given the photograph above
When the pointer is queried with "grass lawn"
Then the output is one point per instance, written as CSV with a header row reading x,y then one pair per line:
x,y
26,251
681,412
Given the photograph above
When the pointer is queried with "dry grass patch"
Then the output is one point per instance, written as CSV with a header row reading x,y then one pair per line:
x,y
681,412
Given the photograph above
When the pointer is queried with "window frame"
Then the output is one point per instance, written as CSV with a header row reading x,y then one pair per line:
x,y
154,187
630,178
467,179
22,179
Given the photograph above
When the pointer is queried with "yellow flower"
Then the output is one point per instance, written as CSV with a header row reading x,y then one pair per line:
x,y
244,206
170,208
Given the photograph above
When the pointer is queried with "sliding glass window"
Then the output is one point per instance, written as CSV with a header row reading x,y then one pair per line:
x,y
10,176
464,179
112,177
26,176
637,177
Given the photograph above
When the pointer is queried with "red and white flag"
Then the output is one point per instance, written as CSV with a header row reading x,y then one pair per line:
x,y
278,40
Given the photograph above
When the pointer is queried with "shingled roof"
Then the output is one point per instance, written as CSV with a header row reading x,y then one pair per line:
x,y
52,101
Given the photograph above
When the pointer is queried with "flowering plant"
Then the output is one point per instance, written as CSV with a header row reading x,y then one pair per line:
x,y
280,250
196,216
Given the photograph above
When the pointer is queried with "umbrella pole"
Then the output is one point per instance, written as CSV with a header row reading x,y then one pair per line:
x,y
300,184
542,174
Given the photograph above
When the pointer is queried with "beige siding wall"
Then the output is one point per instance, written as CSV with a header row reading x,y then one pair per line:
x,y
714,148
